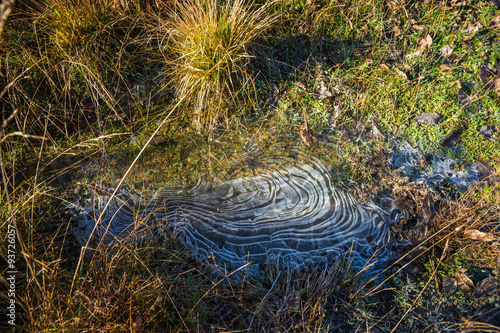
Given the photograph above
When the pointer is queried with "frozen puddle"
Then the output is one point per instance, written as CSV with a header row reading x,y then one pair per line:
x,y
294,215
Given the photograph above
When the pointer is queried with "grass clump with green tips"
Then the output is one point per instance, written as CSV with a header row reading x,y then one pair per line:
x,y
206,52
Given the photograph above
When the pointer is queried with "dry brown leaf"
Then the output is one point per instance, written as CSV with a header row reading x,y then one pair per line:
x,y
428,211
446,50
395,4
451,139
456,3
413,55
496,84
336,111
473,28
484,75
384,66
303,28
494,22
417,27
401,73
479,235
486,72
457,58
301,85
464,283
306,134
396,31
446,68
424,42
488,286
449,285
377,131
322,91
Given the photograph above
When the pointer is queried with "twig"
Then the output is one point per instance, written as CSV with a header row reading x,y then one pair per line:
x,y
7,121
24,135
5,9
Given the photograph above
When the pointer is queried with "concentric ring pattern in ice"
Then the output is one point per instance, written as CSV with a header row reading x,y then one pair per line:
x,y
294,215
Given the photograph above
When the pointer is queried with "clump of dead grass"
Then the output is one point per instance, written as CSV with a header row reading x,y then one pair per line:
x,y
205,44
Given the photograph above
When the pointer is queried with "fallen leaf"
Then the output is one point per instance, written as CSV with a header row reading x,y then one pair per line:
x,y
457,58
395,4
306,134
424,42
404,204
301,85
303,28
494,22
485,73
489,315
450,285
336,112
417,27
413,55
446,68
464,283
396,31
401,73
495,86
456,3
487,286
116,116
473,28
377,131
322,91
428,211
273,95
451,139
425,161
485,171
462,97
486,131
384,66
446,50
479,235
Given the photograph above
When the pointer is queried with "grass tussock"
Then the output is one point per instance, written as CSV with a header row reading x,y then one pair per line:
x,y
206,48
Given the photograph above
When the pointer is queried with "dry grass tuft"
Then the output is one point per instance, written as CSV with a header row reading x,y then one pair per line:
x,y
205,44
